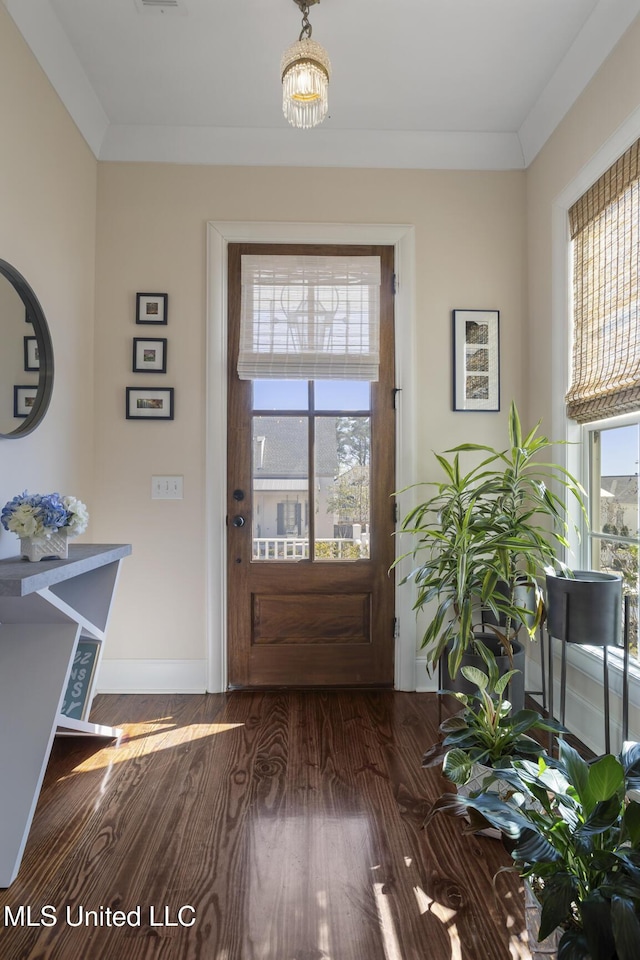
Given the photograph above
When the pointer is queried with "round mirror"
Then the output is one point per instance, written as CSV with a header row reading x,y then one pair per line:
x,y
26,358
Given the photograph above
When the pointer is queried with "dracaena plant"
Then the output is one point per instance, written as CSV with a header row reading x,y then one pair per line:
x,y
578,845
485,731
479,534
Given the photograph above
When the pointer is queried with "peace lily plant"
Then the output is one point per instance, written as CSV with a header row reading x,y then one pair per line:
x,y
575,835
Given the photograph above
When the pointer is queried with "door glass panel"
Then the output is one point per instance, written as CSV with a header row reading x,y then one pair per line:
x,y
280,394
280,488
342,394
342,513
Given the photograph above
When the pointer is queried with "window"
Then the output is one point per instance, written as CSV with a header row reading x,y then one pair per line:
x,y
604,394
614,508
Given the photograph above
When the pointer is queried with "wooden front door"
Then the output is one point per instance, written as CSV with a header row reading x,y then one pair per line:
x,y
311,471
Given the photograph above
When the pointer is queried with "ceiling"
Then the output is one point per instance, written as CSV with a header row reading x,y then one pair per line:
x,y
460,84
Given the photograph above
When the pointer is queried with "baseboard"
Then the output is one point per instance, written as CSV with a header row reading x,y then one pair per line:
x,y
424,682
152,676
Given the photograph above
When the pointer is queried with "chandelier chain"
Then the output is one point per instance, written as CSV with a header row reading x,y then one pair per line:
x,y
307,29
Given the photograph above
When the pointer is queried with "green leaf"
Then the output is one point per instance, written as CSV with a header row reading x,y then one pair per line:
x,y
475,676
560,892
631,821
626,928
596,922
501,684
606,777
449,724
533,847
578,774
457,766
603,816
630,758
573,945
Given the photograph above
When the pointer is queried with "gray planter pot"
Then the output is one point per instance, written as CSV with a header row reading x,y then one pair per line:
x,y
585,608
515,690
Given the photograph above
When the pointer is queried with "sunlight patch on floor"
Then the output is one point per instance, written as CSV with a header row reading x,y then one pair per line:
x,y
445,915
166,739
387,926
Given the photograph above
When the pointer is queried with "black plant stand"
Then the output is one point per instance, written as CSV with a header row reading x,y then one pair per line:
x,y
605,674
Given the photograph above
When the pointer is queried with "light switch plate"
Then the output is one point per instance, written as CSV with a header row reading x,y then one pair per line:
x,y
167,488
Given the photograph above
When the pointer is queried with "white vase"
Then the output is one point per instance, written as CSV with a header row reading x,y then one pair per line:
x,y
53,547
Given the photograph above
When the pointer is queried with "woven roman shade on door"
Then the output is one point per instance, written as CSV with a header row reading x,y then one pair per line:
x,y
309,318
605,229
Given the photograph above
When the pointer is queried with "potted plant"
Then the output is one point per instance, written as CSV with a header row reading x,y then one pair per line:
x,y
479,534
486,735
579,846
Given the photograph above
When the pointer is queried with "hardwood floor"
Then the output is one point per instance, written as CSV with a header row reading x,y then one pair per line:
x,y
287,826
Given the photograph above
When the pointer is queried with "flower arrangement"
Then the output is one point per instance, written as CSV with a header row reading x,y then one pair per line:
x,y
41,515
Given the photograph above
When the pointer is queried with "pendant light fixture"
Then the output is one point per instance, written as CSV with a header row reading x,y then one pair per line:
x,y
305,69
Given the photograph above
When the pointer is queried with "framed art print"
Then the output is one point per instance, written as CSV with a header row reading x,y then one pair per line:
x,y
31,355
152,308
152,404
476,360
24,398
149,355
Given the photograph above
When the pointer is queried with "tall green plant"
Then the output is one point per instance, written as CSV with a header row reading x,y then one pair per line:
x,y
529,518
482,529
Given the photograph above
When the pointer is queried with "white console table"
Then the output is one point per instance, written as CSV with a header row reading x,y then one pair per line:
x,y
45,608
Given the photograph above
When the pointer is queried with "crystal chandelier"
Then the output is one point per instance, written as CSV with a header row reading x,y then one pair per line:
x,y
305,70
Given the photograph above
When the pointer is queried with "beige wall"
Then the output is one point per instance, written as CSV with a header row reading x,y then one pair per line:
x,y
606,105
601,125
152,219
47,231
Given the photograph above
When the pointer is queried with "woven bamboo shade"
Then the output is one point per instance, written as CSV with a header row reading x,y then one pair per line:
x,y
605,228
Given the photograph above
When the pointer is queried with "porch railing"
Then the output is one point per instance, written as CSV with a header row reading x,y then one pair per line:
x,y
297,548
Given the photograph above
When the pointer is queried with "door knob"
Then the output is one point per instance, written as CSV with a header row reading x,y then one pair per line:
x,y
238,521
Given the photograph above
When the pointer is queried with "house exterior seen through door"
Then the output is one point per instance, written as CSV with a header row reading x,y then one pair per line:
x,y
311,465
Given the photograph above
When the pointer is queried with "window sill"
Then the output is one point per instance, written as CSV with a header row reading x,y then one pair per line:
x,y
588,660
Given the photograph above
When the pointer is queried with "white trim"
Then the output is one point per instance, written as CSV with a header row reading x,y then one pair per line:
x,y
581,716
219,235
52,49
152,676
283,147
424,682
595,41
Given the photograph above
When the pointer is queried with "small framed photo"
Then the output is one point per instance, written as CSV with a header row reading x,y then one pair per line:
x,y
149,356
31,355
152,307
24,399
476,360
149,404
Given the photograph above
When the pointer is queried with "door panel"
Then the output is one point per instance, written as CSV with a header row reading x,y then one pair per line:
x,y
310,599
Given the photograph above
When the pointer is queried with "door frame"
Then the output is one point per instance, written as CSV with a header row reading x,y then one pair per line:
x,y
219,235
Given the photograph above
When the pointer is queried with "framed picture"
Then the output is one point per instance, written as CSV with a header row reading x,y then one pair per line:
x,y
31,355
149,356
476,360
149,404
24,399
152,307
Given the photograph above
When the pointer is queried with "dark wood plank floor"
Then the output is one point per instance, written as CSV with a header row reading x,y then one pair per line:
x,y
290,822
